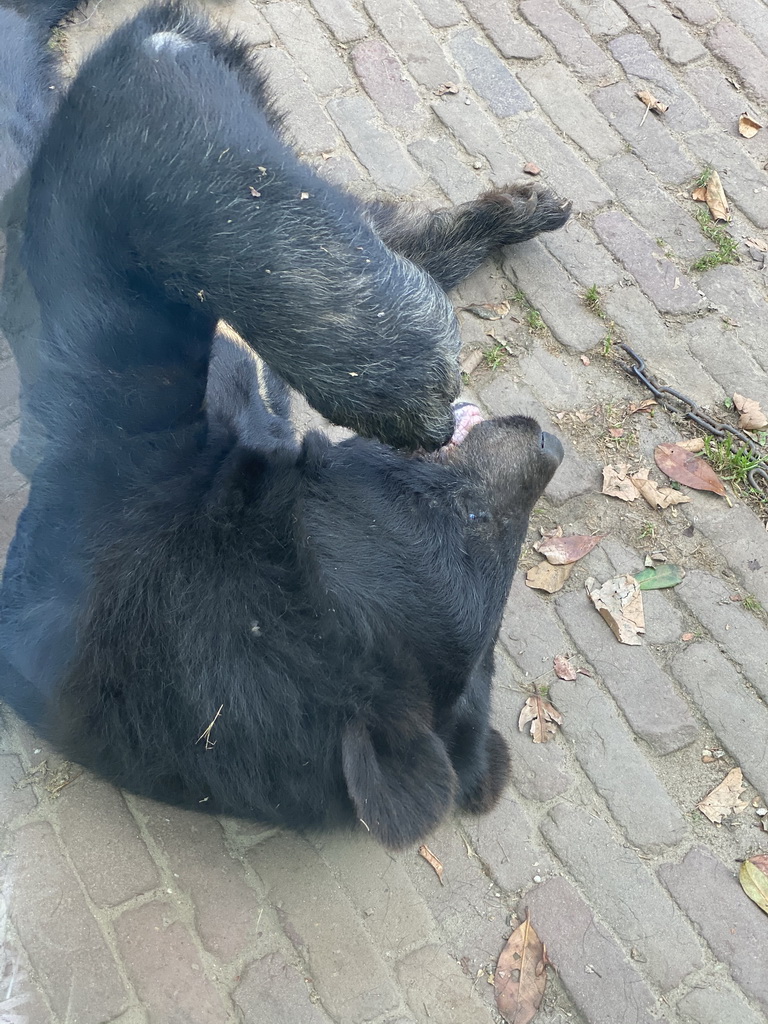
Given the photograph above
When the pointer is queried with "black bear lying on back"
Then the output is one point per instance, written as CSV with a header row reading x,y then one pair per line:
x,y
195,605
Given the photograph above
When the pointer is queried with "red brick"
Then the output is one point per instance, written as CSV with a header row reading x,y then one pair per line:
x,y
508,34
730,44
346,23
13,801
273,992
734,927
164,966
306,42
385,81
57,929
568,37
404,30
675,41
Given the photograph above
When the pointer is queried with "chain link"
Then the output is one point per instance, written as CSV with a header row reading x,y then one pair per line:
x,y
674,401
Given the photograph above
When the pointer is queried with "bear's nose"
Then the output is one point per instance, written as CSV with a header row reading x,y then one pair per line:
x,y
552,449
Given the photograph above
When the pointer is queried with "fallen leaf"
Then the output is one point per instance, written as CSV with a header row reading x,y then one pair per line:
x,y
520,978
752,416
551,531
714,196
685,468
564,550
687,637
754,880
488,310
748,127
757,243
724,799
657,497
652,103
620,603
447,87
585,360
617,484
693,444
659,577
564,669
644,406
543,717
549,578
434,863
531,169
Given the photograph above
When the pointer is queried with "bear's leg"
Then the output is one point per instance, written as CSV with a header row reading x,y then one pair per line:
x,y
451,243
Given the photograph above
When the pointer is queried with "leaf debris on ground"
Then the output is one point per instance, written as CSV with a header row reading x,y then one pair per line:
x,y
713,195
748,127
544,718
753,877
564,669
488,310
751,415
659,577
620,602
651,103
683,467
520,978
564,550
617,484
725,799
547,577
530,168
434,863
656,496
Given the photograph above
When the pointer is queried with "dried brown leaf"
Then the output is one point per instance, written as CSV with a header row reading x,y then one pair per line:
x,y
488,310
617,484
752,416
564,669
714,196
620,602
700,194
754,879
447,87
644,406
757,243
564,550
652,103
748,127
520,978
531,169
549,578
685,468
543,717
692,444
724,799
434,863
657,497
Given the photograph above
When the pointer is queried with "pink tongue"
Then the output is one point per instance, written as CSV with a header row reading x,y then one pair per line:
x,y
465,417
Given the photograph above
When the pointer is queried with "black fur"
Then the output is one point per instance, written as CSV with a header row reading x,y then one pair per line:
x,y
195,605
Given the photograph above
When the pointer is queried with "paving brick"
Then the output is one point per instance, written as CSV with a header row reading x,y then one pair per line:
x,y
740,632
737,717
729,43
305,121
165,968
489,76
380,887
439,158
226,906
377,150
510,36
13,801
273,992
570,40
479,135
346,23
738,531
10,509
59,933
530,630
577,249
605,18
644,70
561,97
744,183
655,711
302,36
441,13
675,41
733,926
753,18
664,284
384,80
718,1003
9,392
245,19
650,140
103,840
697,12
736,293
709,338
506,844
652,207
600,981
409,37
437,990
11,480
725,104
323,924
624,893
552,380
616,767
21,999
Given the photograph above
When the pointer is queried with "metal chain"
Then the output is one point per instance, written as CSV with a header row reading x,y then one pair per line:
x,y
673,401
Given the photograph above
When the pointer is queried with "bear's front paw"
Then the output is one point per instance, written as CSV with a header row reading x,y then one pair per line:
x,y
482,794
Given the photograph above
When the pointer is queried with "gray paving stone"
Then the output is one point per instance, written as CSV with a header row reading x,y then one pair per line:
x,y
438,990
744,183
440,159
531,631
551,379
733,926
306,122
570,40
585,259
725,104
652,207
246,20
718,1003
384,80
736,716
736,292
605,18
59,933
643,691
441,13
505,841
560,96
697,12
489,76
664,284
645,70
479,135
323,924
618,770
739,631
272,991
510,36
675,40
731,45
409,37
624,893
344,20
753,18
650,140
9,392
709,338
11,480
301,34
603,985
13,800
377,150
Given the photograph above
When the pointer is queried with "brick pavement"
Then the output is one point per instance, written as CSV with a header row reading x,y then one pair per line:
x,y
114,909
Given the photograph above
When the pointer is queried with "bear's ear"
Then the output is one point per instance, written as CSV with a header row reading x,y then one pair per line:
x,y
401,781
